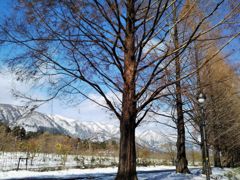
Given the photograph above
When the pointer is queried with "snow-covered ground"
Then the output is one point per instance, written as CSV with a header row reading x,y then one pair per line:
x,y
151,173
81,167
43,162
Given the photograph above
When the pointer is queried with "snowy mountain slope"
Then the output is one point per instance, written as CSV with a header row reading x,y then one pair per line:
x,y
9,114
73,127
150,138
95,131
31,121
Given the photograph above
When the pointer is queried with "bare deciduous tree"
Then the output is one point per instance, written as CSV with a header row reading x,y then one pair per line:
x,y
103,47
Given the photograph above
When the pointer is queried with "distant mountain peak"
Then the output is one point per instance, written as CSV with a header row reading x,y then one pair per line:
x,y
95,131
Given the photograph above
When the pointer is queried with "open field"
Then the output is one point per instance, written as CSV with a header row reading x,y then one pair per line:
x,y
44,161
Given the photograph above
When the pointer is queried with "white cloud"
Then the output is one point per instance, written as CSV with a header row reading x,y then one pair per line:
x,y
155,47
7,83
85,111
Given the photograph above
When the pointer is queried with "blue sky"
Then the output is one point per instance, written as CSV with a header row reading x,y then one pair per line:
x,y
86,111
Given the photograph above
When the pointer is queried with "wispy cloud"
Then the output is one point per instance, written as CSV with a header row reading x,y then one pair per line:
x,y
85,111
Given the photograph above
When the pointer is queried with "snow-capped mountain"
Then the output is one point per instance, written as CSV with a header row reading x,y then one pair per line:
x,y
150,138
35,121
94,131
9,114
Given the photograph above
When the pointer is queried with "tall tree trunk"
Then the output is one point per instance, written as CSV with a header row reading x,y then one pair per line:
x,y
216,156
127,153
181,161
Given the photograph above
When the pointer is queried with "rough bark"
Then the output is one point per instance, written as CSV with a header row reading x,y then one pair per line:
x,y
127,153
181,161
181,164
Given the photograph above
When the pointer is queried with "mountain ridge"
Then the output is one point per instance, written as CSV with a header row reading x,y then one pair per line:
x,y
33,121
